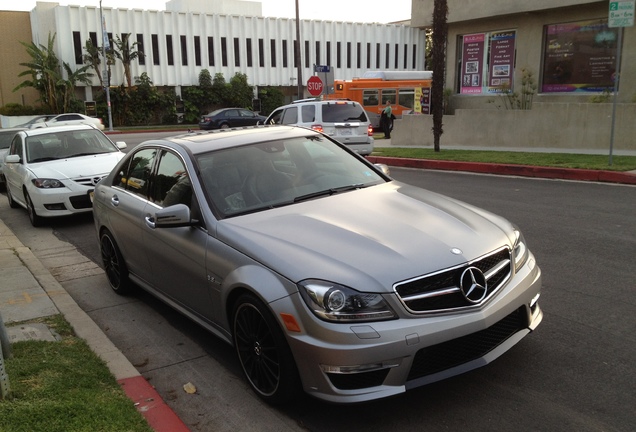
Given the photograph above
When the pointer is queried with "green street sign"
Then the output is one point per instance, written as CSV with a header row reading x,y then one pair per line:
x,y
621,13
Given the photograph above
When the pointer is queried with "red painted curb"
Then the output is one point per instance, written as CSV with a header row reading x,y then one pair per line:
x,y
505,169
150,404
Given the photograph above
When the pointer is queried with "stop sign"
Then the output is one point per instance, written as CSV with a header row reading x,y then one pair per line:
x,y
314,85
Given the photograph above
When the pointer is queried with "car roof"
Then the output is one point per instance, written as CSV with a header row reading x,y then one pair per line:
x,y
53,129
204,141
321,102
13,129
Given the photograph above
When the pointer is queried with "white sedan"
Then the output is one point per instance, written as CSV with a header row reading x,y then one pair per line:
x,y
66,119
53,171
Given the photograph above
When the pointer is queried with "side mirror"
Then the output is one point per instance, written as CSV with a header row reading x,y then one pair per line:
x,y
177,215
384,168
13,158
121,145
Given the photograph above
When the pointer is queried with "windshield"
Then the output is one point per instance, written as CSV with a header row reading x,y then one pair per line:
x,y
272,174
67,144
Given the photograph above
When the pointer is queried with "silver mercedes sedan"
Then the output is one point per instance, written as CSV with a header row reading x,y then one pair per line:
x,y
324,273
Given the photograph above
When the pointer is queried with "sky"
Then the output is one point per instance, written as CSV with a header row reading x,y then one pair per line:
x,y
381,11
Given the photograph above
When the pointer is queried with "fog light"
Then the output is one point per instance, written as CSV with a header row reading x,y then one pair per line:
x,y
56,206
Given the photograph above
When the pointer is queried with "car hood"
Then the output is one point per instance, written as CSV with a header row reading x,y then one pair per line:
x,y
367,239
75,167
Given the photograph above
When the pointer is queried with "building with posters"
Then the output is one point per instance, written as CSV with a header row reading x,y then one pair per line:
x,y
572,54
566,44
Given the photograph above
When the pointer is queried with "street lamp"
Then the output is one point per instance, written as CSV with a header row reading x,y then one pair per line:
x,y
106,79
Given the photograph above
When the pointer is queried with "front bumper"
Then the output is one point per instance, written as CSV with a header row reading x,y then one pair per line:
x,y
65,201
351,362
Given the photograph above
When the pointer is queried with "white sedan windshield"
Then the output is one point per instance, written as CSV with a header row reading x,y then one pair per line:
x,y
67,144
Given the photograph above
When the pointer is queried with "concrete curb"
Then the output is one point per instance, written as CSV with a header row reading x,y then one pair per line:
x,y
146,399
507,169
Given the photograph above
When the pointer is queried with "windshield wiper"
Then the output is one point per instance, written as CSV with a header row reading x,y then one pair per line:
x,y
329,192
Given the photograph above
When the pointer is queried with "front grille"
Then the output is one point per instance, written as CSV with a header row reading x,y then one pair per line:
x,y
355,381
89,181
446,355
440,292
81,202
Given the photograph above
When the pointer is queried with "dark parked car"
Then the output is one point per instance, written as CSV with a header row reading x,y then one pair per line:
x,y
320,270
230,117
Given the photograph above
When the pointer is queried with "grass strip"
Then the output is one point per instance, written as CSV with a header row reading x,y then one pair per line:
x,y
557,160
64,387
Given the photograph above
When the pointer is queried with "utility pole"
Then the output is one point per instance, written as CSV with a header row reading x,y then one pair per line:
x,y
106,76
297,53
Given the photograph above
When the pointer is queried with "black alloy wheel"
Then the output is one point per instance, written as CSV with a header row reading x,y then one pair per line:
x,y
114,264
263,352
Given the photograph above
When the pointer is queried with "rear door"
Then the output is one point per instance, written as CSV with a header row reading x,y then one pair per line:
x,y
345,121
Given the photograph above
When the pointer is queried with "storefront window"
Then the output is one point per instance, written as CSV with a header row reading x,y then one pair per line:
x,y
487,62
579,57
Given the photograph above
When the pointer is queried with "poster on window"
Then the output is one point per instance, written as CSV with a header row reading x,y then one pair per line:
x,y
501,61
472,63
579,57
422,101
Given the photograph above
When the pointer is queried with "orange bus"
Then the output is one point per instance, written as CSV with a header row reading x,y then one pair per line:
x,y
375,88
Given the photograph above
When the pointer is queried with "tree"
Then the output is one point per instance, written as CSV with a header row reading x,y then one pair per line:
x,y
57,92
219,88
126,52
440,33
241,93
44,69
67,86
92,57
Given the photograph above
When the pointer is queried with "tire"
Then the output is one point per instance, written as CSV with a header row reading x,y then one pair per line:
x,y
114,265
12,203
36,220
263,352
224,126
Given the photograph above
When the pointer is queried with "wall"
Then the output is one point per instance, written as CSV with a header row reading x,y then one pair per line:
x,y
550,126
465,10
15,27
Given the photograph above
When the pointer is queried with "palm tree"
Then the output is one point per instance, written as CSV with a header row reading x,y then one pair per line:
x,y
44,69
92,57
67,86
440,33
126,53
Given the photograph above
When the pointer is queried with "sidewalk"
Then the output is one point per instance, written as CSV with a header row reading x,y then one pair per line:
x,y
29,291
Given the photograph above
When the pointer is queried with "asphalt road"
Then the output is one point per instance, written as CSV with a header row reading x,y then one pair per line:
x,y
575,373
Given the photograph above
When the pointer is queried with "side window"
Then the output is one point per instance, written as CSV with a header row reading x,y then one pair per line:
x,y
290,116
171,185
16,146
275,117
135,176
308,113
389,95
370,97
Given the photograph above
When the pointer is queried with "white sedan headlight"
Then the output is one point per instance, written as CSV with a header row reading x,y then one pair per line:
x,y
334,302
520,250
44,183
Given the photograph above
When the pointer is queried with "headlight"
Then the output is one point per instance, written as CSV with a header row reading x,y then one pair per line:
x,y
44,183
520,250
334,302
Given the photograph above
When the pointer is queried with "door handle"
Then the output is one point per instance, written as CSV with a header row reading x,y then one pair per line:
x,y
114,200
150,222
